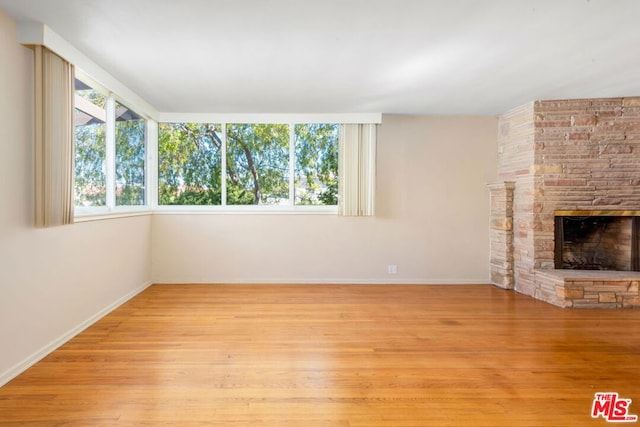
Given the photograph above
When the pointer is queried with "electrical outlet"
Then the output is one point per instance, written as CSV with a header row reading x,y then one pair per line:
x,y
392,269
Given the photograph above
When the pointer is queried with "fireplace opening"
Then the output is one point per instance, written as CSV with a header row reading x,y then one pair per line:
x,y
594,242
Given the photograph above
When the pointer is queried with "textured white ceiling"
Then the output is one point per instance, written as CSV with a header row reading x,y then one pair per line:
x,y
327,56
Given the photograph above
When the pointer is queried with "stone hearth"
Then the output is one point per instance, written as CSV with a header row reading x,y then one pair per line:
x,y
591,289
566,155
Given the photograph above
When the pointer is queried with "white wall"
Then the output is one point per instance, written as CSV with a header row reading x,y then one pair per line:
x,y
52,281
432,220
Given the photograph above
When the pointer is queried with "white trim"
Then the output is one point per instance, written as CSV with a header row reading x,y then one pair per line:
x,y
151,165
102,212
80,211
89,108
244,209
292,163
223,164
31,360
33,33
339,118
109,215
311,282
110,152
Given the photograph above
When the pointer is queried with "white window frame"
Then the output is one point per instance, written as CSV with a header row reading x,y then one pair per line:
x,y
151,160
223,121
110,209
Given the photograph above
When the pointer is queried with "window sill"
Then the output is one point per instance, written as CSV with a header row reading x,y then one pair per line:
x,y
246,210
99,215
86,217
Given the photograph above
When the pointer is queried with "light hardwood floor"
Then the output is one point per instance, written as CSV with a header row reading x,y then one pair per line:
x,y
339,355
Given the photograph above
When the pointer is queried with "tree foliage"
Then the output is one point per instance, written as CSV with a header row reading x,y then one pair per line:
x,y
258,168
316,170
130,157
90,187
189,162
90,154
89,159
257,164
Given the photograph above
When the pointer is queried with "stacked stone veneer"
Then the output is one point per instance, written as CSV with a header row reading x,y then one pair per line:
x,y
565,155
591,289
501,234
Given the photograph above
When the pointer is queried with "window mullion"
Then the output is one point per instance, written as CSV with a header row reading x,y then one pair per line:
x,y
292,164
223,164
110,153
151,165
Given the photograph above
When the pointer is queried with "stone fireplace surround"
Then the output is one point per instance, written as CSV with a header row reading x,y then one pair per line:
x,y
563,155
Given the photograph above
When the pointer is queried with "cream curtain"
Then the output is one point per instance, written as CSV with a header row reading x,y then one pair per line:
x,y
54,115
357,169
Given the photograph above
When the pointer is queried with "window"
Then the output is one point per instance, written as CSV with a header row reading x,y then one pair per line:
x,y
316,169
90,146
189,163
247,164
110,152
257,164
130,157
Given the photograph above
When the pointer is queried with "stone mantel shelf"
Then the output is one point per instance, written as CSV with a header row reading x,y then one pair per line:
x,y
589,274
597,213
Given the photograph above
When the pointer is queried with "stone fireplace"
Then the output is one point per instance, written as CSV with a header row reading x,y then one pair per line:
x,y
577,159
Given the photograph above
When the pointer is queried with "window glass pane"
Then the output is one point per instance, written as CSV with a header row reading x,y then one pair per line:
x,y
130,157
316,168
90,146
257,164
189,161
